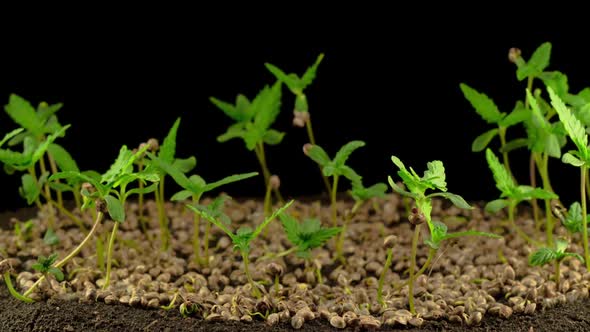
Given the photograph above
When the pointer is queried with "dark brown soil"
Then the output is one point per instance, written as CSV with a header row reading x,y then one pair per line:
x,y
58,315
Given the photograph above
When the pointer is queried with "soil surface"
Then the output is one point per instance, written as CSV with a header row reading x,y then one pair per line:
x,y
474,284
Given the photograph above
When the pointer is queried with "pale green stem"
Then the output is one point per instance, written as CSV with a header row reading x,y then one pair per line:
x,y
533,180
255,290
164,231
110,254
502,134
519,231
206,243
413,254
382,277
544,171
53,167
196,232
584,171
333,201
312,141
342,235
265,172
13,291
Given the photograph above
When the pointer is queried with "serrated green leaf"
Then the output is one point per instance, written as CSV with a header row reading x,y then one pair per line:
x,y
360,193
144,190
536,64
561,246
63,159
557,81
207,216
572,125
115,208
50,238
291,228
496,205
227,108
574,255
348,173
267,106
542,256
435,175
528,192
573,222
310,73
177,175
345,152
234,131
518,115
552,146
483,105
168,147
24,114
569,158
120,165
273,137
266,221
399,189
228,180
291,81
504,181
482,141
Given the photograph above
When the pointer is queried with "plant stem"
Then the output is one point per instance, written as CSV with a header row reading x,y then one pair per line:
x,y
333,200
13,291
342,235
312,141
140,216
533,179
71,255
43,170
519,231
53,167
382,277
502,134
206,244
415,239
259,149
267,201
557,272
196,232
549,224
281,254
110,254
584,174
164,231
100,253
255,290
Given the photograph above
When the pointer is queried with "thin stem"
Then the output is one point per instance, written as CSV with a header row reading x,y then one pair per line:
x,y
281,254
519,231
584,171
342,235
412,280
206,244
196,232
431,254
110,254
53,167
533,179
255,290
333,200
43,170
164,231
267,201
265,172
557,272
549,224
13,291
312,141
37,201
382,277
100,253
140,216
502,134
71,255
276,284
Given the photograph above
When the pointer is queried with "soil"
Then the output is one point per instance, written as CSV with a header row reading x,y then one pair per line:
x,y
468,276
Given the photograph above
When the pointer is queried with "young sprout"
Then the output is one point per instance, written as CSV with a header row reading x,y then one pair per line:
x,y
253,121
166,152
512,194
194,187
335,167
388,243
45,266
306,236
242,238
557,254
578,158
570,219
23,232
434,178
297,86
50,238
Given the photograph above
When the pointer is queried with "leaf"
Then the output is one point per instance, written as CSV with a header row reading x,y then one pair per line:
x,y
457,200
62,158
317,154
528,192
227,180
573,221
536,64
483,140
24,114
399,189
273,137
557,81
227,108
496,205
50,238
120,165
514,144
234,131
518,115
59,276
572,125
291,81
348,173
267,106
115,208
438,233
29,189
11,135
177,175
542,256
207,216
345,151
271,218
569,158
574,255
483,105
291,228
185,165
504,181
144,190
360,193
168,147
435,175
181,195
310,73
321,236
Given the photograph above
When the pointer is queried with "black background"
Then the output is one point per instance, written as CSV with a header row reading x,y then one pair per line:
x,y
390,83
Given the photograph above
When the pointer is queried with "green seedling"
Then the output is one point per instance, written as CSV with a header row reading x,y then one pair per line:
x,y
23,232
112,188
388,243
166,152
297,86
253,120
570,219
578,158
335,168
360,194
243,238
512,194
306,236
45,266
434,178
50,238
194,187
557,254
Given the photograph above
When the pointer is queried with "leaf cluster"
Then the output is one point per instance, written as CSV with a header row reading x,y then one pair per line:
x,y
336,166
45,266
306,235
546,255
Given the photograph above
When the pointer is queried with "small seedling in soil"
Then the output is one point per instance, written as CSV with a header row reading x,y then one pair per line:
x,y
434,178
243,238
307,235
297,85
557,254
194,187
50,238
571,219
388,243
512,194
45,266
335,168
23,232
253,121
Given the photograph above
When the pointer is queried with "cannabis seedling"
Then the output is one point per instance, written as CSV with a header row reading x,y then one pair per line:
x,y
242,238
194,187
306,236
557,254
297,86
253,120
434,178
579,158
45,266
335,167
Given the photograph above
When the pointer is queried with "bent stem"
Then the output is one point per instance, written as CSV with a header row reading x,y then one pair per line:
x,y
341,236
110,255
333,200
583,175
382,277
412,279
71,255
13,291
246,260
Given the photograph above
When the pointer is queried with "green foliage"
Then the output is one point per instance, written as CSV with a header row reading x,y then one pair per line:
x,y
543,256
336,166
45,266
536,64
23,230
360,193
253,123
50,238
244,235
575,130
215,209
543,137
572,220
439,234
306,235
483,105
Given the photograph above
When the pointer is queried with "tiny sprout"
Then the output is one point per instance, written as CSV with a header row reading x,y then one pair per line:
x,y
388,243
514,54
45,266
50,238
188,308
545,255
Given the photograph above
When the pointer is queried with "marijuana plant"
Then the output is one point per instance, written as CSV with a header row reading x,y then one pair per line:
x,y
556,254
